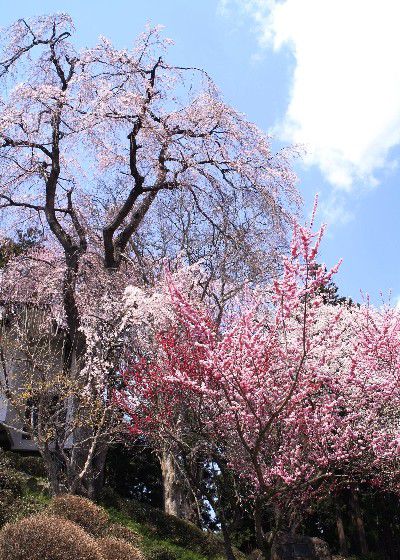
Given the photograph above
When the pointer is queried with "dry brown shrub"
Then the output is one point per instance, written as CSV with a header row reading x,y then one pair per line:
x,y
117,549
83,512
124,533
42,537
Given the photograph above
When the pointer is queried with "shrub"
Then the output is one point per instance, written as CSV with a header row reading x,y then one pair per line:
x,y
121,532
160,552
12,484
29,464
14,508
169,527
6,459
110,497
12,480
117,549
7,506
32,465
256,554
81,511
29,505
46,538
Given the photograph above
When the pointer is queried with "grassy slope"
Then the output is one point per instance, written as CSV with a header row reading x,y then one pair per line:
x,y
164,537
152,545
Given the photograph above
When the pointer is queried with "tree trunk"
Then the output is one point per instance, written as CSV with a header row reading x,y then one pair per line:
x,y
227,538
260,537
84,436
343,544
171,490
172,485
96,481
358,521
177,499
52,470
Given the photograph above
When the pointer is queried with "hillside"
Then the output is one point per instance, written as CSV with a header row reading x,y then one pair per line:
x,y
24,491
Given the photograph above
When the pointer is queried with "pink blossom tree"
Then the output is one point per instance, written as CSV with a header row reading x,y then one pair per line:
x,y
299,397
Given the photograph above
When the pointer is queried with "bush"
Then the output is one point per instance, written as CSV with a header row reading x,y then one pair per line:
x,y
7,506
160,552
83,512
29,464
11,480
32,465
12,485
185,534
110,497
46,538
117,549
124,533
14,508
256,554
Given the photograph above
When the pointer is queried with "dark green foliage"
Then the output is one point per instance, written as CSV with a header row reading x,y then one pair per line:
x,y
369,556
15,508
33,466
26,506
111,498
10,479
7,506
14,485
322,522
381,517
223,491
17,477
381,513
164,537
330,294
134,472
29,464
119,531
160,552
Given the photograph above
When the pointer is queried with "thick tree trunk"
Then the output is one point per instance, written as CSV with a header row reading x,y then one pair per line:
x,y
227,538
177,498
53,471
358,521
343,543
172,489
91,483
96,481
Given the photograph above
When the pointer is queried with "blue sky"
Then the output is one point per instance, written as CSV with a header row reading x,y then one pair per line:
x,y
321,73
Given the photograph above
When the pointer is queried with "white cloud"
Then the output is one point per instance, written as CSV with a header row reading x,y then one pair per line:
x,y
334,210
345,97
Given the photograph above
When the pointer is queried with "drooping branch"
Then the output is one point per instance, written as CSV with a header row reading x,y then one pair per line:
x,y
36,41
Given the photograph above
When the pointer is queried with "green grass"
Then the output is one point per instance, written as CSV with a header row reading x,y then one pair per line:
x,y
181,539
152,544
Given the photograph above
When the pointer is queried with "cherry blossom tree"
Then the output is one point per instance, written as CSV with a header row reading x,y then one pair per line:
x,y
97,147
298,396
